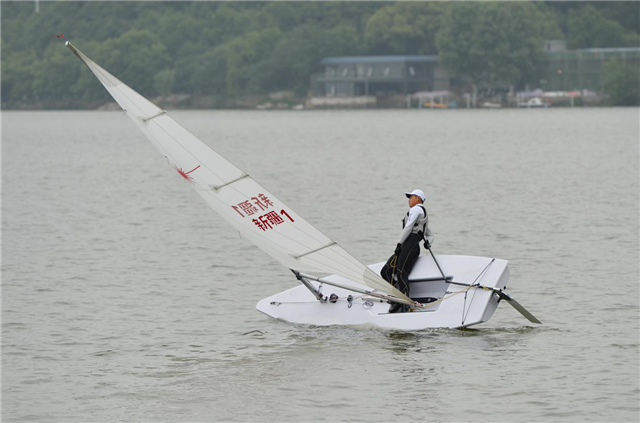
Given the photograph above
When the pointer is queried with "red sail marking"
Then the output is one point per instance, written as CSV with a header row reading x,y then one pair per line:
x,y
192,170
184,174
284,213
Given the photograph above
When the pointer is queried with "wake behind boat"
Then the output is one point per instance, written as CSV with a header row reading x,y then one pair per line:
x,y
446,291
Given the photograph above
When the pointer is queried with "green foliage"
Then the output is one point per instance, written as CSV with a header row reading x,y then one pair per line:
x,y
297,55
18,74
631,39
246,57
138,55
622,83
589,27
493,44
53,78
626,13
230,49
623,12
164,81
405,28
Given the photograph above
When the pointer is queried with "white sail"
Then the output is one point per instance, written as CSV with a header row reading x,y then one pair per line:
x,y
256,213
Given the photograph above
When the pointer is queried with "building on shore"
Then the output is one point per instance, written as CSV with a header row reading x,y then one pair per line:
x,y
379,81
378,75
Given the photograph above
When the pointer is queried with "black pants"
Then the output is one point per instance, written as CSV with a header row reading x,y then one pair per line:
x,y
403,264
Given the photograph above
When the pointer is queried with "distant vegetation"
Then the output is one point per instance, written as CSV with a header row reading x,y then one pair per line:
x,y
622,83
231,49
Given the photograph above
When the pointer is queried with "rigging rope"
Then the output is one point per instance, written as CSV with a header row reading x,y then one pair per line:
x,y
472,285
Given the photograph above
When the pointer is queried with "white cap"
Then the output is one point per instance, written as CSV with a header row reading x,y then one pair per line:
x,y
415,192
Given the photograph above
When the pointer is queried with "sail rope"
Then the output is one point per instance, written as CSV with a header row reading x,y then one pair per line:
x,y
453,294
462,291
481,276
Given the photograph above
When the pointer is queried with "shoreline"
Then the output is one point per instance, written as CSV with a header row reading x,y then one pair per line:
x,y
288,101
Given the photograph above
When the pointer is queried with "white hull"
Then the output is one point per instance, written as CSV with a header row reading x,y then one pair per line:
x,y
469,306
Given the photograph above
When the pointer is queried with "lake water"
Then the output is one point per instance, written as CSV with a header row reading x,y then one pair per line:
x,y
125,298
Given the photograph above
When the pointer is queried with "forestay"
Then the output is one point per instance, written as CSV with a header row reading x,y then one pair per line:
x,y
256,213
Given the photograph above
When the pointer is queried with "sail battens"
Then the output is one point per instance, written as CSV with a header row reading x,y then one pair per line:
x,y
298,257
219,187
147,120
257,214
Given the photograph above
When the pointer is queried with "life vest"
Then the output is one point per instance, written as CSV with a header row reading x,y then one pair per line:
x,y
421,225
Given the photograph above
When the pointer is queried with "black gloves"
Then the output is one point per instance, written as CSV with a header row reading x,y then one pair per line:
x,y
398,249
426,244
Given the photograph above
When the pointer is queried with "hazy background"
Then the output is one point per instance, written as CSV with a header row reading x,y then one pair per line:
x,y
226,51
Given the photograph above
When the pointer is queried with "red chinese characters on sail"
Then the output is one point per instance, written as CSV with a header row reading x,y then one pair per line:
x,y
262,203
271,219
268,221
246,208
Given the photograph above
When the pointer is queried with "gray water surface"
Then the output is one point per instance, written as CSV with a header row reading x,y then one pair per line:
x,y
125,298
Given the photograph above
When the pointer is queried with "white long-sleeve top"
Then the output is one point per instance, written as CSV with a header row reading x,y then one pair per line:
x,y
414,222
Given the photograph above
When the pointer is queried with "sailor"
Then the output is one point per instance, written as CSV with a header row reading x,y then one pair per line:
x,y
415,228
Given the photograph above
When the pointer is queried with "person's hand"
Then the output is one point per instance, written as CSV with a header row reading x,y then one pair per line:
x,y
398,249
426,244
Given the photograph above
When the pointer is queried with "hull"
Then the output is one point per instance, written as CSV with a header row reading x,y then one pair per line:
x,y
461,307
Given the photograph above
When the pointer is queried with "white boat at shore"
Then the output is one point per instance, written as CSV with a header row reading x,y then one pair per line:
x,y
447,291
535,102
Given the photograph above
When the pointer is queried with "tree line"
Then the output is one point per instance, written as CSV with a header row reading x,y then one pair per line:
x,y
232,49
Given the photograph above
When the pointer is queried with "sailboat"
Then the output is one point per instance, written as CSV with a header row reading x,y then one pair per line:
x,y
447,291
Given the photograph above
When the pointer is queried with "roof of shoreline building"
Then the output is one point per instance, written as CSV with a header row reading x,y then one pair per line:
x,y
431,59
608,49
376,59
